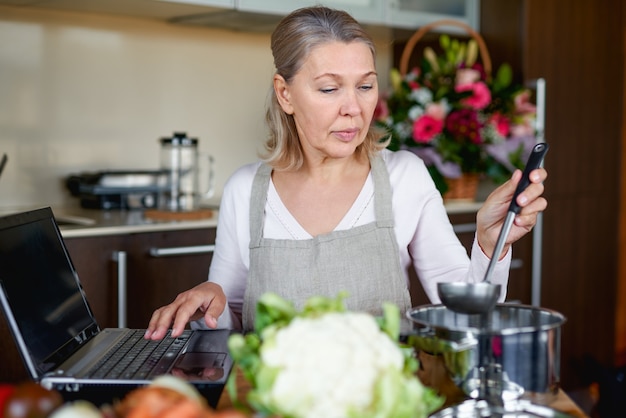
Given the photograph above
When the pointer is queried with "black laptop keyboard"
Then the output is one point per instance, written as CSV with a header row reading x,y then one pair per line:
x,y
137,358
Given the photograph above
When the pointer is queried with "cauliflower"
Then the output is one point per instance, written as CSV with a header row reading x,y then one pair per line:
x,y
328,362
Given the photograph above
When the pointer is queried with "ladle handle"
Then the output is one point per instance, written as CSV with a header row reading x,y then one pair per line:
x,y
534,162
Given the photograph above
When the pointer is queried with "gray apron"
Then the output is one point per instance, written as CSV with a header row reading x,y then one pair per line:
x,y
364,260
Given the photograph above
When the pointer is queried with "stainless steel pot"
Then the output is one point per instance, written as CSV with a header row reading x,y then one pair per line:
x,y
512,351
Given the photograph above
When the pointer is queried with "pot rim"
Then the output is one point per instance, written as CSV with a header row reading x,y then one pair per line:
x,y
557,320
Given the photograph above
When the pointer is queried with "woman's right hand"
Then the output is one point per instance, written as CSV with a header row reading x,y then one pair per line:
x,y
205,300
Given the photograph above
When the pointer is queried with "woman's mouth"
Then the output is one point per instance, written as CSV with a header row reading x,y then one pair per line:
x,y
347,135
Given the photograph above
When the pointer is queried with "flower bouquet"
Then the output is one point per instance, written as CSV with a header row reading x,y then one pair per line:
x,y
457,117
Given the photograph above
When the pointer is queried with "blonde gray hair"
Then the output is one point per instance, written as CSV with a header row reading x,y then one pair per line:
x,y
292,41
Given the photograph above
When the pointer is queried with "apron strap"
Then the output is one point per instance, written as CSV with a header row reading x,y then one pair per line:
x,y
382,192
260,187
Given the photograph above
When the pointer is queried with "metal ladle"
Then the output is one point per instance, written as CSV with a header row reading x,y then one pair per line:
x,y
481,297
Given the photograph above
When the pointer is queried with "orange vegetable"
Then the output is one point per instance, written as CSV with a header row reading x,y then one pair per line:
x,y
165,402
159,402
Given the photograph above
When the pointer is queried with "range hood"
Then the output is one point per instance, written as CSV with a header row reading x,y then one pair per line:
x,y
151,9
236,20
173,11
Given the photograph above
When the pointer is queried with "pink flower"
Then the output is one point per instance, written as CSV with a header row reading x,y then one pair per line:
x,y
413,85
425,128
501,123
480,98
466,76
523,104
436,110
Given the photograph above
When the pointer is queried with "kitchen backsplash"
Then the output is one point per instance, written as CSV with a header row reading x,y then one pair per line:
x,y
82,92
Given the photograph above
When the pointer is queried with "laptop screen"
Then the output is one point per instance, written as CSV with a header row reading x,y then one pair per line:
x,y
41,289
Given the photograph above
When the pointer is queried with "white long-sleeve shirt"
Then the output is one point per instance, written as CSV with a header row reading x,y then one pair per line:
x,y
425,236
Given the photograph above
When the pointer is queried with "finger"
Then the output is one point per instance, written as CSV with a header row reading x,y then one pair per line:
x,y
184,314
534,189
537,205
203,301
215,309
159,324
538,175
528,216
526,221
532,193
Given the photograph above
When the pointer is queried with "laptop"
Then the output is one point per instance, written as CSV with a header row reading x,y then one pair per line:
x,y
59,339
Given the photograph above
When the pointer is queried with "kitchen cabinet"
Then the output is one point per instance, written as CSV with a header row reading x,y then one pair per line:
x,y
126,277
160,265
213,3
411,14
366,11
97,269
408,14
152,9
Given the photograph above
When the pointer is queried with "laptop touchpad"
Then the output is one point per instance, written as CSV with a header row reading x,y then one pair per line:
x,y
194,366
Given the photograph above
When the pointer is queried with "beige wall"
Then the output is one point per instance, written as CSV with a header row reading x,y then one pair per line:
x,y
91,92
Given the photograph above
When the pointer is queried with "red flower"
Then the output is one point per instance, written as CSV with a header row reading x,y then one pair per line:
x,y
425,128
501,123
464,124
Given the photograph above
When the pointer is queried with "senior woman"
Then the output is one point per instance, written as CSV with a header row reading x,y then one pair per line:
x,y
328,208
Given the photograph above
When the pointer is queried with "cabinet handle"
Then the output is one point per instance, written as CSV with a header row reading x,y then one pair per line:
x,y
464,228
172,251
120,258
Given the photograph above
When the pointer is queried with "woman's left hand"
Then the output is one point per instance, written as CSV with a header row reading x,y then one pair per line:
x,y
491,215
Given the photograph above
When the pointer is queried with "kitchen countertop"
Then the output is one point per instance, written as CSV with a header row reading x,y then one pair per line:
x,y
121,222
79,222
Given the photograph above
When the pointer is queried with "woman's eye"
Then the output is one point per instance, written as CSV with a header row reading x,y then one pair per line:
x,y
328,90
366,87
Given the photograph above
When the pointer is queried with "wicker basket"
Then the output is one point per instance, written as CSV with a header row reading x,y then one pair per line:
x,y
419,34
465,187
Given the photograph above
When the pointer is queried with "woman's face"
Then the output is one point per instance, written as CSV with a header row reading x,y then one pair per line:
x,y
332,98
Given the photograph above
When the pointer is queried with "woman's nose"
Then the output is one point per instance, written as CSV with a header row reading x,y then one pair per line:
x,y
351,105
